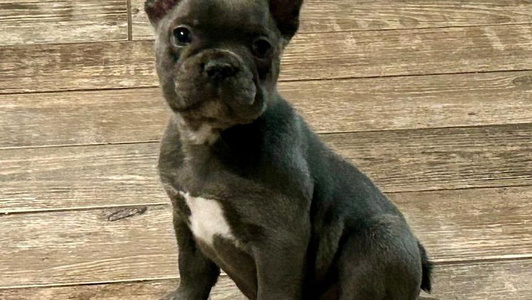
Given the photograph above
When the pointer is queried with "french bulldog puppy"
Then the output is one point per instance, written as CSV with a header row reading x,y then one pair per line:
x,y
254,191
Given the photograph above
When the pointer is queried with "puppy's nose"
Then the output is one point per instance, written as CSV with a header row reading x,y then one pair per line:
x,y
217,70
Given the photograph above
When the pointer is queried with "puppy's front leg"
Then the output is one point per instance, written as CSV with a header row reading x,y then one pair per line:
x,y
281,267
198,273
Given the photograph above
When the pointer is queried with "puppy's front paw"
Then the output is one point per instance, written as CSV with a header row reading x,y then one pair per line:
x,y
181,295
172,296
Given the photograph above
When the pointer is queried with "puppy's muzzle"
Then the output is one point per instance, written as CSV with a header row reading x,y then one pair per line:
x,y
217,78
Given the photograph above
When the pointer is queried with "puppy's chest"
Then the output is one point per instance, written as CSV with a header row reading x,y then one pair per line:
x,y
207,219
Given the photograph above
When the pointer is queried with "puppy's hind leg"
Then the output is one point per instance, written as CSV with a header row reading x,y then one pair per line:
x,y
380,263
360,277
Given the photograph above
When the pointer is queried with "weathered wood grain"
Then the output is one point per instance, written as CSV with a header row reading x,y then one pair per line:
x,y
87,246
79,177
311,56
409,52
138,115
461,225
476,281
225,289
63,21
484,281
137,243
404,160
94,117
435,159
348,15
76,66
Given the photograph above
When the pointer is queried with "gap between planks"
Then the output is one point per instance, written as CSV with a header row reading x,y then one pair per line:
x,y
281,80
167,203
321,134
332,79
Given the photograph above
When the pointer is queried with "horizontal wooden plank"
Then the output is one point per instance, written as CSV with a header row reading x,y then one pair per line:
x,y
76,66
484,281
79,177
405,160
311,56
95,117
412,102
346,15
461,225
64,21
409,52
476,281
87,246
138,115
225,289
137,243
432,159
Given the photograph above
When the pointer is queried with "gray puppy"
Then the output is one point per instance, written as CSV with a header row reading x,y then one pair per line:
x,y
254,190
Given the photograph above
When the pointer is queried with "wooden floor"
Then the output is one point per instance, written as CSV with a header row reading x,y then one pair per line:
x,y
431,98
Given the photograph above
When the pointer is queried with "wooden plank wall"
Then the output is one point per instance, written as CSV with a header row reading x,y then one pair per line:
x,y
432,98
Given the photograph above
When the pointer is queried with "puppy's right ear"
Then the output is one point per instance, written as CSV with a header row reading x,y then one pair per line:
x,y
286,15
157,9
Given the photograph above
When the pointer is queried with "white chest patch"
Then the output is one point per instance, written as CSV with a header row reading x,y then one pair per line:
x,y
207,219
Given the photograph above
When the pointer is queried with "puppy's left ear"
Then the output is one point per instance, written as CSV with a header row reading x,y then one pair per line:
x,y
157,9
286,15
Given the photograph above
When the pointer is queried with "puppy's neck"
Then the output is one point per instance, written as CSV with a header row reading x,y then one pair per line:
x,y
195,134
204,139
201,132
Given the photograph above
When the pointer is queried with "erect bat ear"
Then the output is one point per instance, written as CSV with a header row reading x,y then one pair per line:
x,y
286,15
157,9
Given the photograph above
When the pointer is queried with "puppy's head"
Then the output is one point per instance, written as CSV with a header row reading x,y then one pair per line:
x,y
218,60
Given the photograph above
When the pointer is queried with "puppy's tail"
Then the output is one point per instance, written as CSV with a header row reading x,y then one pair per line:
x,y
426,267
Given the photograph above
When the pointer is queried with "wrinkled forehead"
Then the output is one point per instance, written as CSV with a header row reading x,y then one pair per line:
x,y
242,14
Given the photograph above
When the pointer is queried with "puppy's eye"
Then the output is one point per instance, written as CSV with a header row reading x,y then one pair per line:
x,y
182,35
261,47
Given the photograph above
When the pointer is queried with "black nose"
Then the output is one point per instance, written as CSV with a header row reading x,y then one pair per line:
x,y
219,69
